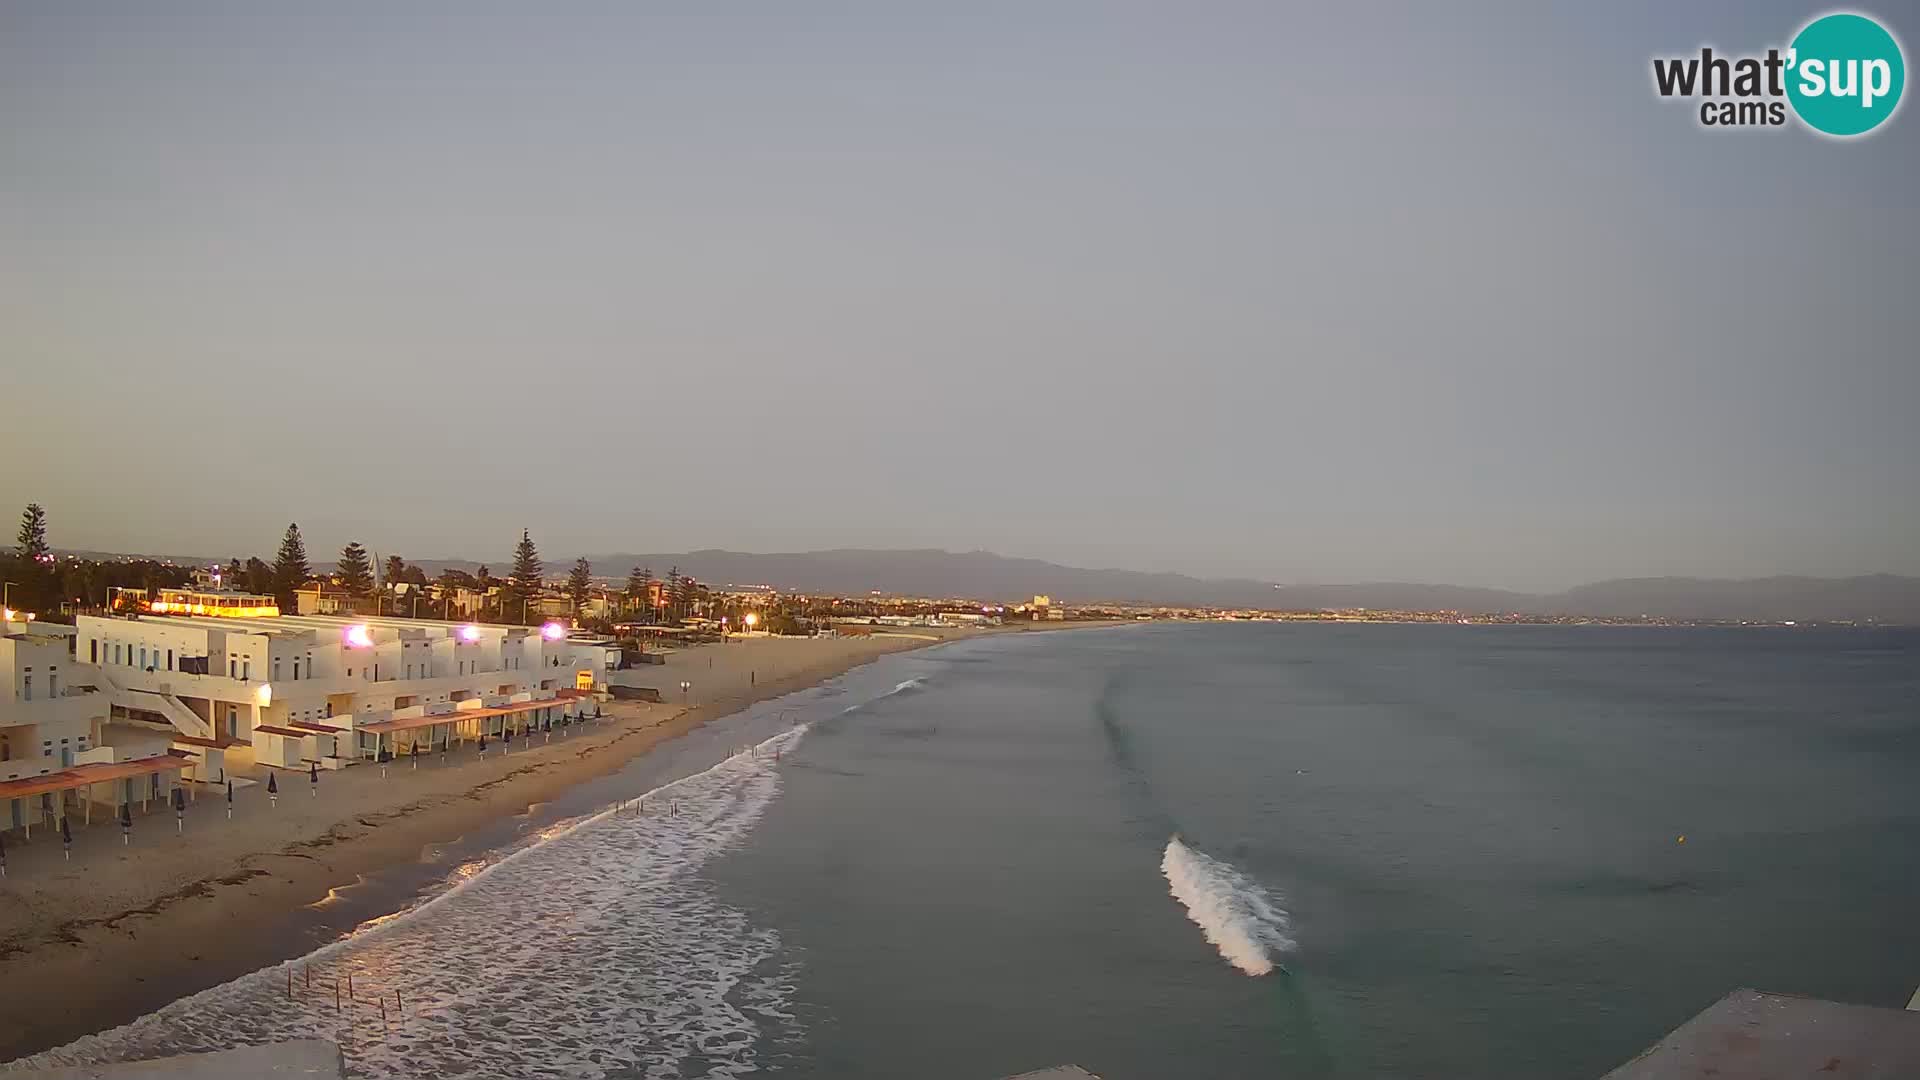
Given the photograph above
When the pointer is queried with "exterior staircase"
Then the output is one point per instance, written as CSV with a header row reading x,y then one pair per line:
x,y
183,719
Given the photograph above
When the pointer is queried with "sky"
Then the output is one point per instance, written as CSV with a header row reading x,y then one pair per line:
x,y
1309,293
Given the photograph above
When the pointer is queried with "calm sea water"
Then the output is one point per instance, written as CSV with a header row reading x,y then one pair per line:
x,y
1193,851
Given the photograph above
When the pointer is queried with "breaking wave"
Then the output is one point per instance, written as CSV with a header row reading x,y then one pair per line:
x,y
595,950
1236,915
914,683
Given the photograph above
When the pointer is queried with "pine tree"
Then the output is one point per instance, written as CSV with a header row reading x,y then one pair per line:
x,y
33,535
639,587
290,569
579,583
672,594
526,565
483,582
356,570
257,577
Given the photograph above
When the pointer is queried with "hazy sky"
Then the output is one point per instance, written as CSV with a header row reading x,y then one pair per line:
x,y
1341,292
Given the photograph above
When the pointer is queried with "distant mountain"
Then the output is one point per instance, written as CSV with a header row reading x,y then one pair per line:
x,y
982,575
1878,597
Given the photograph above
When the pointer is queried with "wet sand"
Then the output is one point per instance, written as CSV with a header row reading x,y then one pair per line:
x,y
124,928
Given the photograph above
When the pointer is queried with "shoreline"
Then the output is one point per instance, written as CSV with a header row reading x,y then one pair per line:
x,y
108,937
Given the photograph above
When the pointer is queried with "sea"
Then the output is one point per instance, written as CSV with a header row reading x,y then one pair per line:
x,y
1164,850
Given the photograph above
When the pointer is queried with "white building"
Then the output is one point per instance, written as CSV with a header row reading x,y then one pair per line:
x,y
324,689
52,719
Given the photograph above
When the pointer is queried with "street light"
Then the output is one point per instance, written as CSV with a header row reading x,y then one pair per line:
x,y
752,621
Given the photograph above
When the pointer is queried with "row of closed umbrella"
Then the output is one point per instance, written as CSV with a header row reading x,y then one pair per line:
x,y
273,795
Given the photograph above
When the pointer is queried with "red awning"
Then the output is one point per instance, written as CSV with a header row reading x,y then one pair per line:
x,y
99,772
408,723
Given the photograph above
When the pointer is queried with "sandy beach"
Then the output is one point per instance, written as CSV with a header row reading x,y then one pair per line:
x,y
94,942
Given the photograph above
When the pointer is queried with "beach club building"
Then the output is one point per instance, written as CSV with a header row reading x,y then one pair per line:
x,y
55,757
297,690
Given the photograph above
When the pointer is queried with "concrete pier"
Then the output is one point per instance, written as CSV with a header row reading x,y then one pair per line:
x,y
1749,1035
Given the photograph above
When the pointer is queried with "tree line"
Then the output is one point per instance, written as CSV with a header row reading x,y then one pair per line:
x,y
37,581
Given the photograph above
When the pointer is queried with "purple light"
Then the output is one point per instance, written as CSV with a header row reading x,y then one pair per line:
x,y
469,632
359,637
553,631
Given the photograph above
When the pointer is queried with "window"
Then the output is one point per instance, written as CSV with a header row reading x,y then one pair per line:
x,y
233,668
93,650
246,669
169,659
53,685
276,669
143,656
26,688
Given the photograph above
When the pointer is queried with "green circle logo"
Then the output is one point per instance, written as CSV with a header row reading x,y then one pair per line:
x,y
1845,74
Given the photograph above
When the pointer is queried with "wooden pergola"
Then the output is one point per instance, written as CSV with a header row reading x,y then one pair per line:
x,y
84,777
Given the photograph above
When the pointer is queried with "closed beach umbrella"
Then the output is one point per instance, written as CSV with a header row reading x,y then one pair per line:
x,y
273,789
126,823
179,810
313,778
66,836
229,800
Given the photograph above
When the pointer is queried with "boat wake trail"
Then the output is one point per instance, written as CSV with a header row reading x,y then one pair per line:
x,y
1237,916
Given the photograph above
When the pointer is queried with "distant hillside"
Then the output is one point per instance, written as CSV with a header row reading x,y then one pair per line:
x,y
1880,597
983,575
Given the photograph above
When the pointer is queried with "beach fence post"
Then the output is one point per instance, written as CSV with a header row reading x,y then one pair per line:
x,y
309,976
336,994
350,996
289,984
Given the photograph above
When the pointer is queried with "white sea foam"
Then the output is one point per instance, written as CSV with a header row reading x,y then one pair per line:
x,y
1237,915
596,950
914,683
